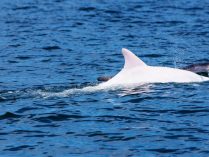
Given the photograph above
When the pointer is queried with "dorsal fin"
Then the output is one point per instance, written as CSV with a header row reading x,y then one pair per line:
x,y
131,60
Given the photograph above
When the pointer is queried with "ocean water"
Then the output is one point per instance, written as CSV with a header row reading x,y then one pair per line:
x,y
51,50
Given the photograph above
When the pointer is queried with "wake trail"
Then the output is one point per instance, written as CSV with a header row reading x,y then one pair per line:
x,y
68,92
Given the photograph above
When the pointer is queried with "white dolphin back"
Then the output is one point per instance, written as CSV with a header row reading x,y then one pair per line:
x,y
135,71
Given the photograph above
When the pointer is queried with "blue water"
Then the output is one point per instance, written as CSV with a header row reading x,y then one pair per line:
x,y
52,49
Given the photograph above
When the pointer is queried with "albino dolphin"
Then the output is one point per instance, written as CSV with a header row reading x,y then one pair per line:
x,y
135,71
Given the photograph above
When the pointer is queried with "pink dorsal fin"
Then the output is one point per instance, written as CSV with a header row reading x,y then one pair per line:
x,y
131,60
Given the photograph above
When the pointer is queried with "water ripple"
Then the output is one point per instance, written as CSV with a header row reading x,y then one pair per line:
x,y
52,53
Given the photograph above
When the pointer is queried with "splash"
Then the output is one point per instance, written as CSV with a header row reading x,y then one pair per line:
x,y
68,92
124,89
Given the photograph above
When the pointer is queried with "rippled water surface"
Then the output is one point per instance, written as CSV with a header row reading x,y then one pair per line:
x,y
52,49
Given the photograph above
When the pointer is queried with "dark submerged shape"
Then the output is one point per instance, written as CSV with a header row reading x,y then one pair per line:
x,y
103,78
201,68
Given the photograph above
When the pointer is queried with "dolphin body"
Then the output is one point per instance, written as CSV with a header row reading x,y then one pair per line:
x,y
135,71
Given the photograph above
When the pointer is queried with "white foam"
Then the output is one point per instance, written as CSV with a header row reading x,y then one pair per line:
x,y
68,92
